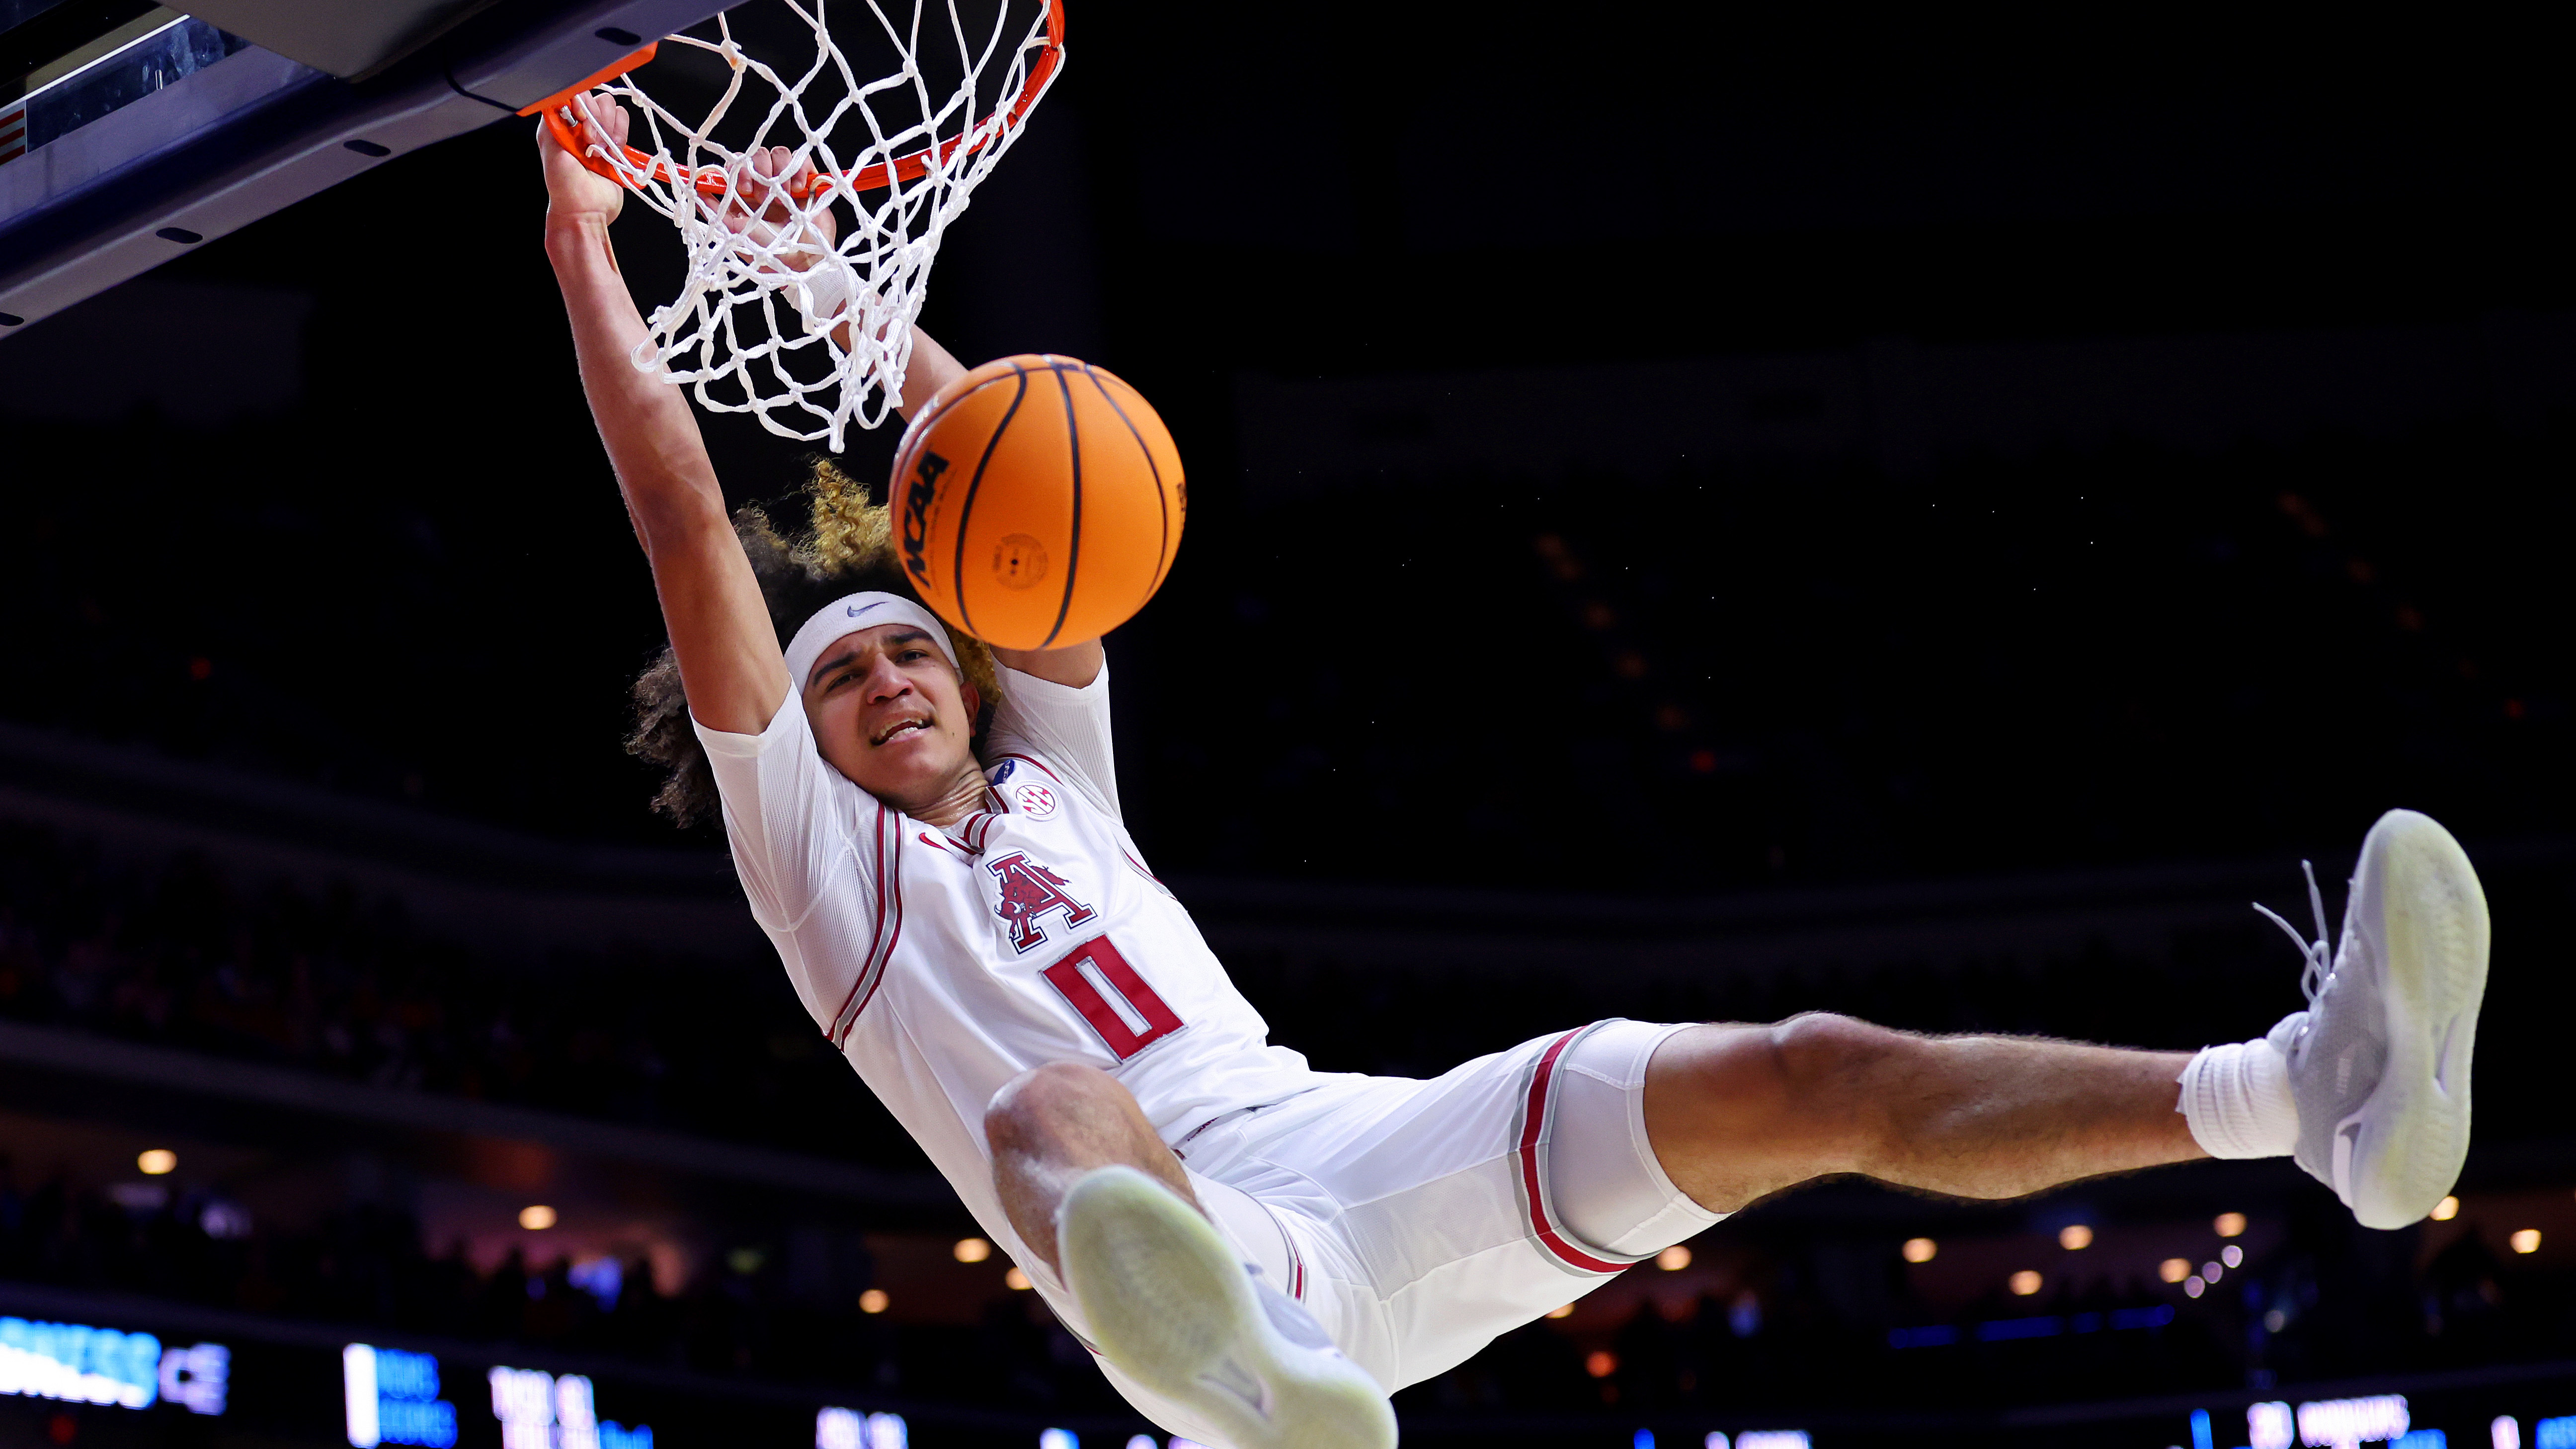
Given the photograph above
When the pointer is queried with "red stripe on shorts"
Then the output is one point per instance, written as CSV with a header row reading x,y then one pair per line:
x,y
1534,1121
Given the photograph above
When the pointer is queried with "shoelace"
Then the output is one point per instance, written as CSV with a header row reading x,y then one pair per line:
x,y
2319,953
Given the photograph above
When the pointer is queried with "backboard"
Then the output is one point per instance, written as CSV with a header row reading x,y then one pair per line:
x,y
131,132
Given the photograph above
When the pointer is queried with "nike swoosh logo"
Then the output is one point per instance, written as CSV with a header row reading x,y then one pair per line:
x,y
2347,1145
856,610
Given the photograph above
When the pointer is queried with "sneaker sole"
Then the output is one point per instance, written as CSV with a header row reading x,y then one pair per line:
x,y
2433,918
1168,1303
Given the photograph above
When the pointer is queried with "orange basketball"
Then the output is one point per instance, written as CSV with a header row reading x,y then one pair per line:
x,y
1038,502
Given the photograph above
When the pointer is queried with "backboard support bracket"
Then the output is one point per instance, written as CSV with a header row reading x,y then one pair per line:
x,y
222,147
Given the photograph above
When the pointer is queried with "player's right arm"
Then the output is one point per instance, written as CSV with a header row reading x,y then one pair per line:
x,y
719,627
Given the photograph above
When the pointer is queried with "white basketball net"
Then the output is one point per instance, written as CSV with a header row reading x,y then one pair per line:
x,y
807,333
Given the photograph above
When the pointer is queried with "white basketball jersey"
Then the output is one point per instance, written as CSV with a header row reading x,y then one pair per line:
x,y
943,963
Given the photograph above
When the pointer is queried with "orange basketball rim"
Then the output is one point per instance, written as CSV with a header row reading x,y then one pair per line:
x,y
712,182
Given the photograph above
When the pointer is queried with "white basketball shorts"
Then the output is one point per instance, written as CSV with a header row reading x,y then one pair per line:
x,y
1418,1220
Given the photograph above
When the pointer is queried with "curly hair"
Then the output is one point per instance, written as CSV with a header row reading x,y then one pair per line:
x,y
848,545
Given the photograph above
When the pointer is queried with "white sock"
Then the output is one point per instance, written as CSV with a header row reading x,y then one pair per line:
x,y
2237,1100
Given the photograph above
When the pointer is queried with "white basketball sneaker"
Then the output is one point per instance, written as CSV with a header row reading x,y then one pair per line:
x,y
1169,1303
2379,1062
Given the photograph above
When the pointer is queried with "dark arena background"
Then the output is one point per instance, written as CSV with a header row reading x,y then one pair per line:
x,y
1699,514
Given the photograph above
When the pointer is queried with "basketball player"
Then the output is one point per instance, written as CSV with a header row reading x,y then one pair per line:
x,y
1258,1251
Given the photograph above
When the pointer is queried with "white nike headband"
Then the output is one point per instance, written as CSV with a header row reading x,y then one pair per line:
x,y
851,613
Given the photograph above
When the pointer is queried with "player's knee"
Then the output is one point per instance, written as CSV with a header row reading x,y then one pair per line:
x,y
1830,1069
1043,1103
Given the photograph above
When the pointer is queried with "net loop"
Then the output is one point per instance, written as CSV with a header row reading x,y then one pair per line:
x,y
804,276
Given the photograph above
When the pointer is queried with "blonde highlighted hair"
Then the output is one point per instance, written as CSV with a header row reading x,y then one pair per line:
x,y
848,545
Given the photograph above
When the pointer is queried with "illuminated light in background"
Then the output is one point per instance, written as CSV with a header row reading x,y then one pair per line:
x,y
392,1398
2445,1210
2275,1321
1058,1439
1773,1439
157,1161
2193,1286
2526,1241
972,1250
1601,1363
2212,1271
2075,1237
1713,1441
2559,1433
601,1278
1141,1441
2421,1439
74,1363
198,1377
1999,1330
536,1217
2344,1423
224,1220
1016,1281
2230,1225
872,1301
2024,1283
1565,1312
538,1410
2232,1255
1642,1439
1673,1259
2174,1270
850,1429
1744,1315
1920,1250
2270,1426
2504,1433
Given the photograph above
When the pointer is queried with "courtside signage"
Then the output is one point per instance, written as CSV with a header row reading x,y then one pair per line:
x,y
75,1363
392,1398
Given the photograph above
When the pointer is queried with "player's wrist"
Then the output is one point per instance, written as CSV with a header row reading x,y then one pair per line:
x,y
572,232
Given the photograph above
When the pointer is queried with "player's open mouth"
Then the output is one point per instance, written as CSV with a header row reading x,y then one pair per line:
x,y
899,728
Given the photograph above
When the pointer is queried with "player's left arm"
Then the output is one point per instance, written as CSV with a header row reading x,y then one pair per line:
x,y
1073,666
932,366
795,239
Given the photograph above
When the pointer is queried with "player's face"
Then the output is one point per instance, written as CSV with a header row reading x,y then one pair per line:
x,y
890,714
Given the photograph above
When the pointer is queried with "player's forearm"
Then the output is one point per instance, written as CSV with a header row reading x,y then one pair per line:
x,y
933,367
652,440
1074,665
711,603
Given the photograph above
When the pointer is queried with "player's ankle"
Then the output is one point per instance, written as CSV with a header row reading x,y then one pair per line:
x,y
2237,1100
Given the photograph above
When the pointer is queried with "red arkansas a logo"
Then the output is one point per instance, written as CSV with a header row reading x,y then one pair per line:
x,y
1030,890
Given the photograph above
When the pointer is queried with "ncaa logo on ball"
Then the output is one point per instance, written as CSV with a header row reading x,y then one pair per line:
x,y
916,513
1034,801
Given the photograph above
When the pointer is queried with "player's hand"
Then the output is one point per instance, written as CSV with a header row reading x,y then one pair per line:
x,y
573,189
763,210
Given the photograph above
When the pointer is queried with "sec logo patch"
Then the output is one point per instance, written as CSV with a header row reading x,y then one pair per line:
x,y
1034,801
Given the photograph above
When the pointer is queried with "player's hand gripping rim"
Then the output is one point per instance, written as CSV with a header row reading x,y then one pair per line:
x,y
573,189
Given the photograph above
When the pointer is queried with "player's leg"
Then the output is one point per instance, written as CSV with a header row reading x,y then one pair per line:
x,y
1737,1112
1090,1187
1051,1127
2368,1088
